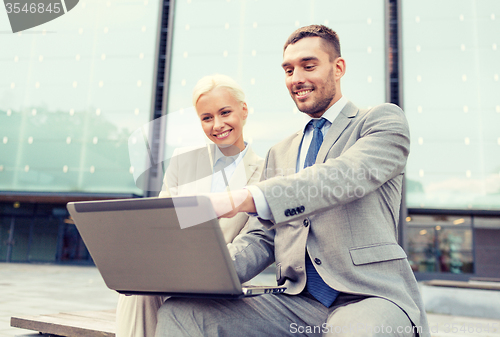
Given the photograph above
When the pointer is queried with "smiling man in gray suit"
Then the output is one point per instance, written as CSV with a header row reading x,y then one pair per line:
x,y
328,210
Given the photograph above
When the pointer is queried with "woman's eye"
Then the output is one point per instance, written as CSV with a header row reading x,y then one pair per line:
x,y
226,112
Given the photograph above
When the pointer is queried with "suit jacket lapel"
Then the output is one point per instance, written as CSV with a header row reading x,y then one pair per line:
x,y
293,152
338,126
249,162
231,227
245,170
204,170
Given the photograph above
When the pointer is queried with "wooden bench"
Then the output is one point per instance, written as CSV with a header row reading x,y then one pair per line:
x,y
73,324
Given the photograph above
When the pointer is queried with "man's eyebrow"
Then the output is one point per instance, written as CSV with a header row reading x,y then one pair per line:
x,y
304,59
309,58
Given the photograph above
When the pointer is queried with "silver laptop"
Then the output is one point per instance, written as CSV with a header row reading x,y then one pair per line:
x,y
139,247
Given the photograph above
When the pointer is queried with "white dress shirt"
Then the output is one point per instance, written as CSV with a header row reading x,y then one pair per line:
x,y
224,165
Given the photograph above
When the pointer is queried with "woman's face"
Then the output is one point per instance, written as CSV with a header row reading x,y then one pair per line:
x,y
222,117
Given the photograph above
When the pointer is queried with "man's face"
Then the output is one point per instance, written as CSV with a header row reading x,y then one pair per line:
x,y
311,77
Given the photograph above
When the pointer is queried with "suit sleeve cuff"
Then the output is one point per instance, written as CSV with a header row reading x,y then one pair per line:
x,y
261,205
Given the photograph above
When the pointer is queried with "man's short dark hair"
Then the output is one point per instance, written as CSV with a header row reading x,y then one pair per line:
x,y
330,38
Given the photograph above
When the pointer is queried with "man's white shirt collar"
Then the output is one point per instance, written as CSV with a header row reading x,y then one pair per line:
x,y
329,114
307,135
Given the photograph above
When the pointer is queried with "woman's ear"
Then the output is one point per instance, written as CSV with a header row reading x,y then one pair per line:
x,y
245,110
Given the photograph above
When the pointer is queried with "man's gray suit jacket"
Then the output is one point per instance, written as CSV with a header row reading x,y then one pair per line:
x,y
343,211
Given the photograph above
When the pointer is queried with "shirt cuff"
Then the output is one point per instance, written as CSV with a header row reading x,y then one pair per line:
x,y
261,205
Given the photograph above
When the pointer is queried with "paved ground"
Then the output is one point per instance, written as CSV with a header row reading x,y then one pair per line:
x,y
31,289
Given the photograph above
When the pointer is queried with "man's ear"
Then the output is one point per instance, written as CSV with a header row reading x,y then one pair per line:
x,y
340,67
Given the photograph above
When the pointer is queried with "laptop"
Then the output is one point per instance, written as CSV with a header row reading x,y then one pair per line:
x,y
139,247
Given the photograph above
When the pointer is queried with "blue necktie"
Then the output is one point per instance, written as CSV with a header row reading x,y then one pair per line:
x,y
316,141
315,284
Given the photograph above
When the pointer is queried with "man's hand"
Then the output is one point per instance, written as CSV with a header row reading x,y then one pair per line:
x,y
228,204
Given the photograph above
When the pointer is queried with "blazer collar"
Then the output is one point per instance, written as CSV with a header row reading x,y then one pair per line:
x,y
204,169
293,152
250,161
205,165
338,126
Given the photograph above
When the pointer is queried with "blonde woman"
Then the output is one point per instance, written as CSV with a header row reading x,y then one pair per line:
x,y
227,164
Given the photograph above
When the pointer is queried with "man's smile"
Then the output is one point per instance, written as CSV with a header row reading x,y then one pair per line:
x,y
303,93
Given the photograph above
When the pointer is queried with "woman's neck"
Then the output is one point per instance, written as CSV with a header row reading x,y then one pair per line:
x,y
231,150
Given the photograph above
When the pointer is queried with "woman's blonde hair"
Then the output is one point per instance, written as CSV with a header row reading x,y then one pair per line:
x,y
209,83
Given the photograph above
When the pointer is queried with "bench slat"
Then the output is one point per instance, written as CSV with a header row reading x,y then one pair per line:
x,y
106,315
78,324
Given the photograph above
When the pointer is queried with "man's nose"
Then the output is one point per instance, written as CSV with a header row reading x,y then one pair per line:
x,y
298,77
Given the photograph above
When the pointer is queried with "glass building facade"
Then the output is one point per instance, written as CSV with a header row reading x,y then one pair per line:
x,y
451,69
74,92
450,78
440,244
71,93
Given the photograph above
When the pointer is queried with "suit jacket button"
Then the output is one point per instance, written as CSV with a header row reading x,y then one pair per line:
x,y
293,212
306,222
287,212
317,261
